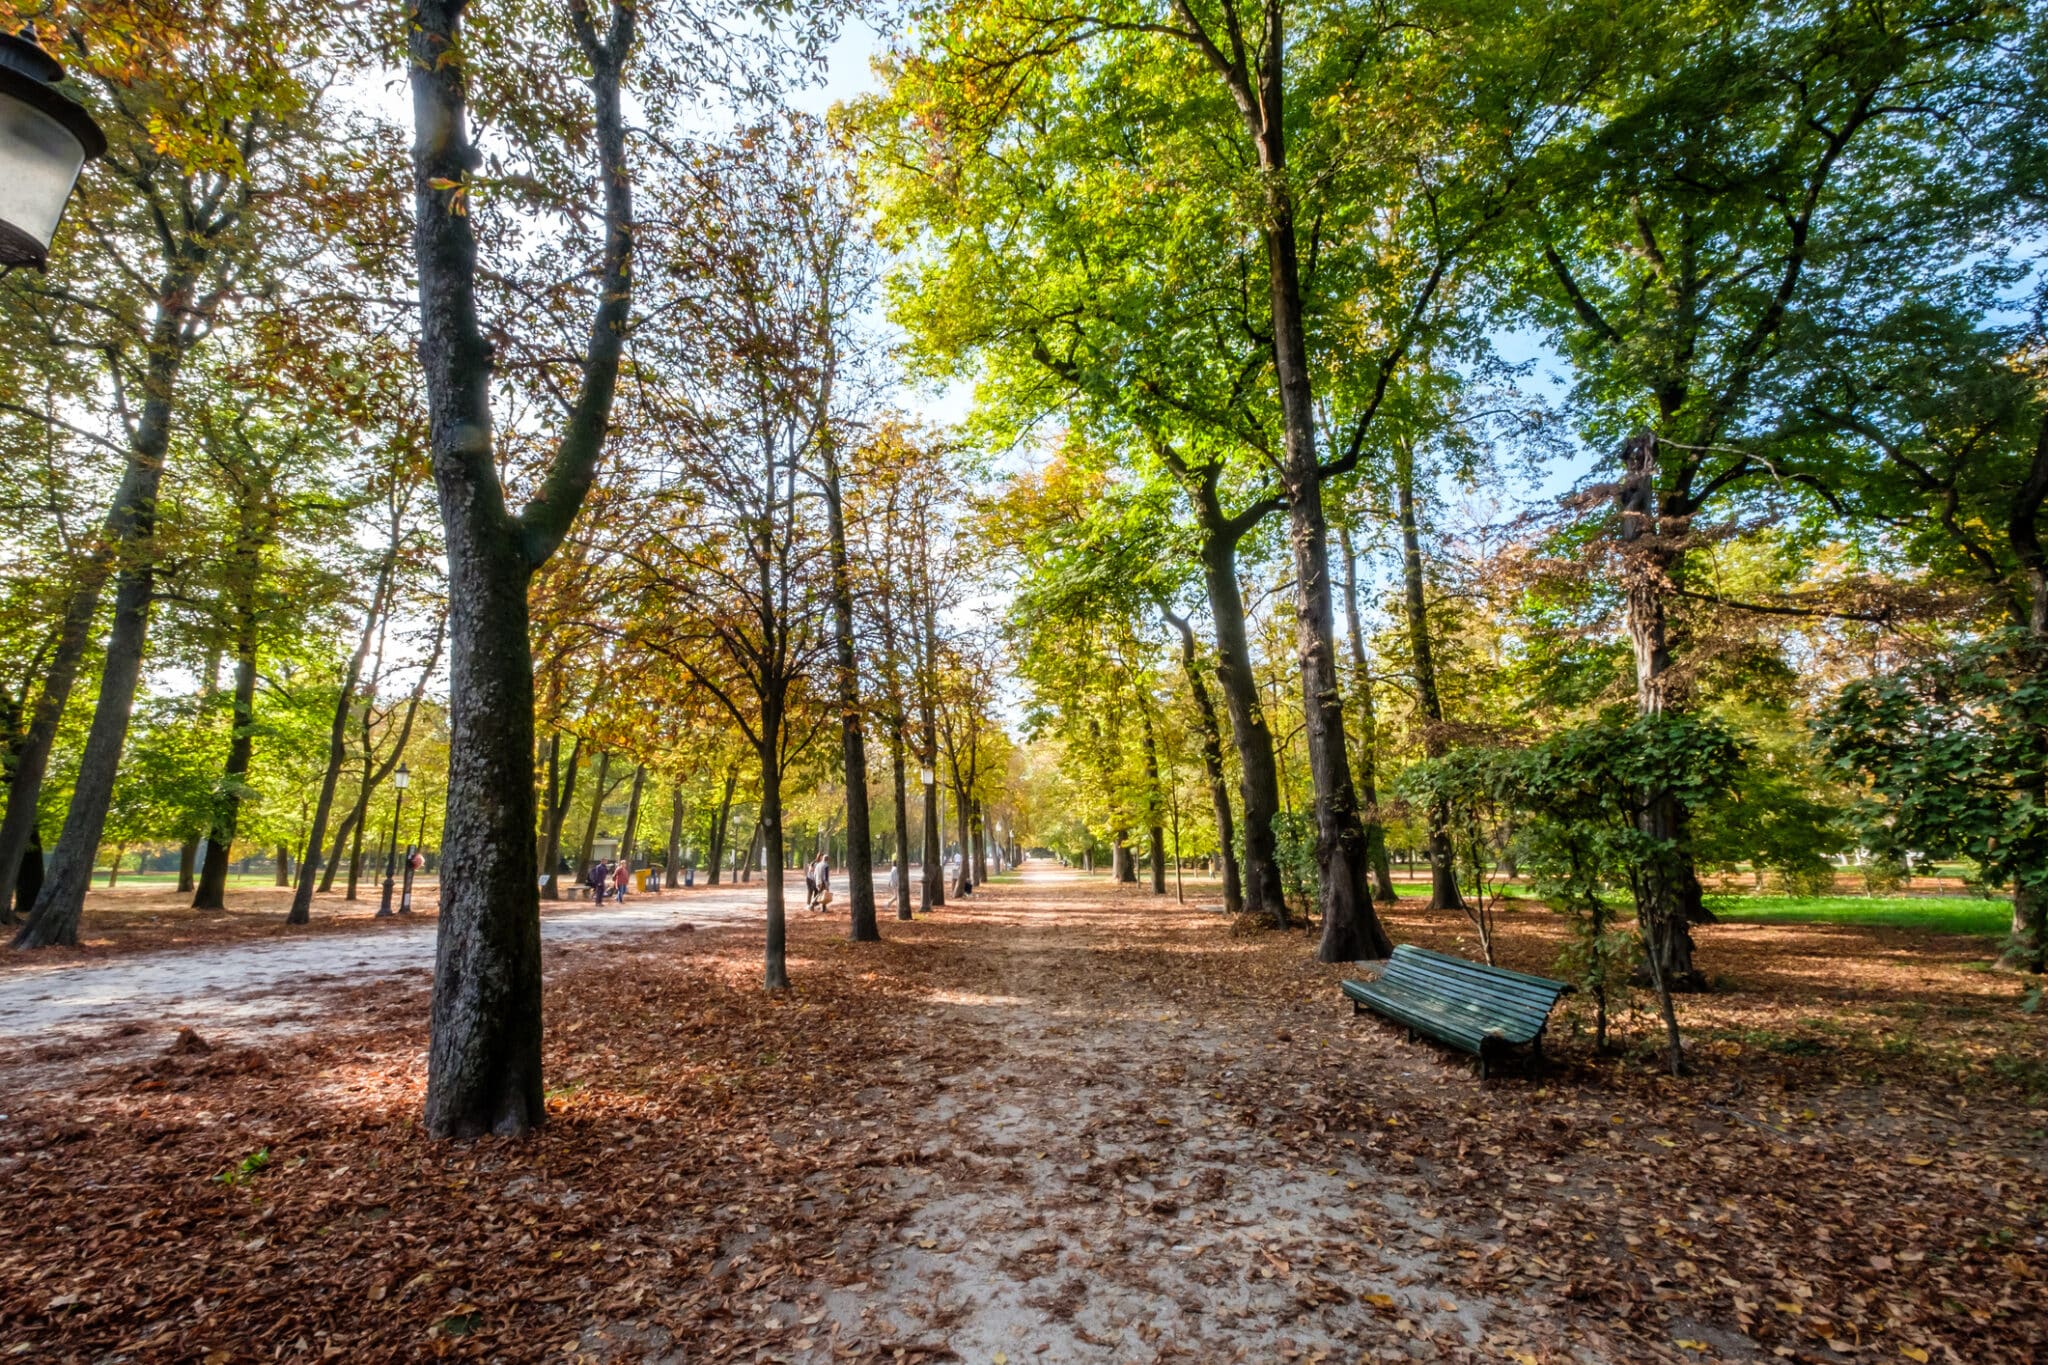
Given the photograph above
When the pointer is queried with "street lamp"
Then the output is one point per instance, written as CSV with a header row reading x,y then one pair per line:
x,y
45,139
400,780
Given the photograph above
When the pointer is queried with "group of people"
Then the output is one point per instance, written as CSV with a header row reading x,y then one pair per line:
x,y
818,884
608,879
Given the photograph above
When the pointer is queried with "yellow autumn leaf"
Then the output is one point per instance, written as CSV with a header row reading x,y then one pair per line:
x,y
1914,1353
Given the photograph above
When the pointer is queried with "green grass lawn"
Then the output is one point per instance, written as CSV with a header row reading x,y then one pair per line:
x,y
1420,890
1940,914
1936,914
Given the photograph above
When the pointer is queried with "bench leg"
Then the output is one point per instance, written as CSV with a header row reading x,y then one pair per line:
x,y
1482,1066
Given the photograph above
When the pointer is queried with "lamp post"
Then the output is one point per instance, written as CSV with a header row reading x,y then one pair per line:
x,y
400,780
45,140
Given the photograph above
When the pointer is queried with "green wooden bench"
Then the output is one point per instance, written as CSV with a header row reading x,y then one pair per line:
x,y
1483,1010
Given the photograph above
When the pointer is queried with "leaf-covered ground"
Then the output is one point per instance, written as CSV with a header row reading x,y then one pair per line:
x,y
1064,1122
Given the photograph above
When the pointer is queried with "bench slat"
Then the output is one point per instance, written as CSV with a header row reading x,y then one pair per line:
x,y
1464,1022
1431,966
1466,1004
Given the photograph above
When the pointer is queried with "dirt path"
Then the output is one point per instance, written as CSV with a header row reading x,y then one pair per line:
x,y
1088,1190
238,990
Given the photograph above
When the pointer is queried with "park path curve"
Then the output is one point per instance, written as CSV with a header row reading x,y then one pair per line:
x,y
245,988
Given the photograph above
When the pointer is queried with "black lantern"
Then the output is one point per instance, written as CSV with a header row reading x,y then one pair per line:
x,y
45,138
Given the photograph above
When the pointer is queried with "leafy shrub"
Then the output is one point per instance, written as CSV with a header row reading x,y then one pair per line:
x,y
1294,851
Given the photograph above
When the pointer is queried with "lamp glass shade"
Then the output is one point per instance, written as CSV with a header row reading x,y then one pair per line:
x,y
39,163
924,775
45,138
402,778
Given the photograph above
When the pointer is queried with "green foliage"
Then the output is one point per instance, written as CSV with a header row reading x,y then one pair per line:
x,y
245,1170
1579,798
1955,755
168,779
1294,852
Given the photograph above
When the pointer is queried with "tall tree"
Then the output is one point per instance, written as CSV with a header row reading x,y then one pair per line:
x,y
483,1062
1739,174
1368,727
1443,868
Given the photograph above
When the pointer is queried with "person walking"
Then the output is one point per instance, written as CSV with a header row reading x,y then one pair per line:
x,y
622,874
820,877
598,879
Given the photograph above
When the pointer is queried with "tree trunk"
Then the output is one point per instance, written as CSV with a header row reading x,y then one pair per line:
x,y
899,776
62,900
1351,928
28,880
337,740
247,566
188,865
860,868
362,821
131,535
721,823
754,846
484,1071
341,838
964,886
2028,951
558,811
598,792
484,1055
632,815
978,819
1212,766
1122,867
671,869
1674,899
283,864
1444,893
1258,772
1154,830
32,755
776,973
1368,733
